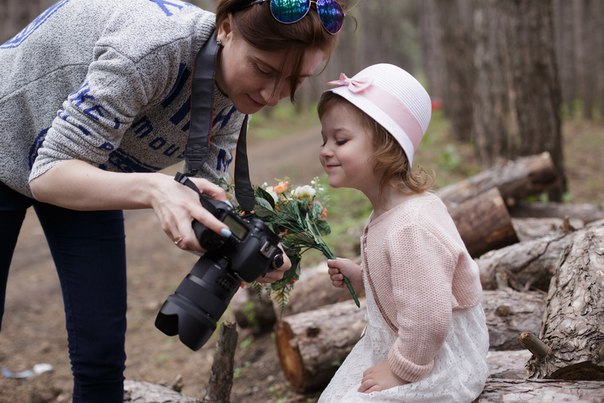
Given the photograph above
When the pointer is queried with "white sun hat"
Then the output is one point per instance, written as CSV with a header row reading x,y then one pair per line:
x,y
393,98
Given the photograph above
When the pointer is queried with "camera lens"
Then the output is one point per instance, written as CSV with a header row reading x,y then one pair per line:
x,y
199,301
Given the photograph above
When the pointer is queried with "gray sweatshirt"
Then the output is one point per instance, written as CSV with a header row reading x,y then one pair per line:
x,y
107,82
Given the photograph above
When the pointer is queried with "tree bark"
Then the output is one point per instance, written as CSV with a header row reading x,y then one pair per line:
x,y
515,180
455,19
529,229
502,390
509,313
517,99
484,223
573,325
221,377
525,265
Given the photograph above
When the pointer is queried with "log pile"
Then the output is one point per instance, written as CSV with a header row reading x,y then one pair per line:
x,y
542,270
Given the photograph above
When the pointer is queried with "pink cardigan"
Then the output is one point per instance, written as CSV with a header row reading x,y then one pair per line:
x,y
421,271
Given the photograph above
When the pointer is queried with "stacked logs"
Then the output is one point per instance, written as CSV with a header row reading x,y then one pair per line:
x,y
542,271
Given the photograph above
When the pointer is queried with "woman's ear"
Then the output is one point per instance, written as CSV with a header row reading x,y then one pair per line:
x,y
225,30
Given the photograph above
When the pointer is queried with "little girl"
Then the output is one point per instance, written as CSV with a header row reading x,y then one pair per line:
x,y
426,338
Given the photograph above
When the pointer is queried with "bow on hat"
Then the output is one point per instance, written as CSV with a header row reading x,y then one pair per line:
x,y
355,85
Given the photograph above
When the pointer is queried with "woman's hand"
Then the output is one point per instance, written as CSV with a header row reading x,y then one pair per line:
x,y
338,268
379,377
278,273
176,206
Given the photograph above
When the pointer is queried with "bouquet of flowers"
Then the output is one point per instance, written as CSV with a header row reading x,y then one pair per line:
x,y
299,218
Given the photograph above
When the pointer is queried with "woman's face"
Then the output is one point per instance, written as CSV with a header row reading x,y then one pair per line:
x,y
254,78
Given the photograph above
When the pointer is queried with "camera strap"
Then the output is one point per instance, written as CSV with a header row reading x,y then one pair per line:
x,y
197,150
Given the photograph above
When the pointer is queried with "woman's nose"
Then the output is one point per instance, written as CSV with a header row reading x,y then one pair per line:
x,y
272,94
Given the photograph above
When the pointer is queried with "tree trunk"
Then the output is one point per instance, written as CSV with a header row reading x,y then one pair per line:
x,y
484,223
455,18
573,325
515,180
221,377
517,102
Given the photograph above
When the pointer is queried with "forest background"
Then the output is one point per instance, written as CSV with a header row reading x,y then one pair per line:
x,y
507,78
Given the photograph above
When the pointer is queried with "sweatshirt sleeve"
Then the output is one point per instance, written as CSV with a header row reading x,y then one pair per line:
x,y
94,118
422,270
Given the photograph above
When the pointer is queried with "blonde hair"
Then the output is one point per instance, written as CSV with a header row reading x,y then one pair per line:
x,y
258,27
388,156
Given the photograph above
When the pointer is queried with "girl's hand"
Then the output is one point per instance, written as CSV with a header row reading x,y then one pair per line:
x,y
338,268
379,377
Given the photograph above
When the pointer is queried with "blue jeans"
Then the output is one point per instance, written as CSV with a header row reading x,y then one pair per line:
x,y
88,249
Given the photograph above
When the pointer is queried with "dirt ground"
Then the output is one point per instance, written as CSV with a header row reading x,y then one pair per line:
x,y
33,330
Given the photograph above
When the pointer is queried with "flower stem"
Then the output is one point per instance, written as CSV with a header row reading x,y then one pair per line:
x,y
351,290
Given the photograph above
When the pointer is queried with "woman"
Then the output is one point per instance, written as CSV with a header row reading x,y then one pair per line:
x,y
95,99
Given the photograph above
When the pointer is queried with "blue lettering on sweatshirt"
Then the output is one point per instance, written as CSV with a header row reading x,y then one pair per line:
x,y
35,146
181,79
33,26
224,118
164,4
81,95
142,127
222,163
127,163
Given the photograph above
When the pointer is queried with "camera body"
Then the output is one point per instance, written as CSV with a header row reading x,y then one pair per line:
x,y
253,250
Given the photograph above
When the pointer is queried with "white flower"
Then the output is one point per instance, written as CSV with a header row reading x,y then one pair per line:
x,y
304,192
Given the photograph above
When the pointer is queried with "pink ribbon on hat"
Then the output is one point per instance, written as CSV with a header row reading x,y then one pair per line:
x,y
354,85
389,104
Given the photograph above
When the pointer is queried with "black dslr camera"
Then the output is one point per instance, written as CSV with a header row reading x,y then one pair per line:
x,y
204,294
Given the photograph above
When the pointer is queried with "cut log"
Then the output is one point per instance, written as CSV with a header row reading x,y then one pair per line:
x,y
515,390
515,180
508,364
585,212
573,326
509,313
525,265
483,222
311,345
534,228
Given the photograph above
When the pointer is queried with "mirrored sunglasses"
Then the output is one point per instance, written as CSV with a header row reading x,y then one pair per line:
x,y
330,12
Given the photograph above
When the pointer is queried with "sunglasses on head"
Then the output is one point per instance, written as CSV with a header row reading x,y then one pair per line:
x,y
330,12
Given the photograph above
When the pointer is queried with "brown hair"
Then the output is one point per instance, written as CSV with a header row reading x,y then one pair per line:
x,y
258,27
388,156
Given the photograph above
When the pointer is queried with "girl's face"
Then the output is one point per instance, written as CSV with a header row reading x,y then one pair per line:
x,y
254,78
346,153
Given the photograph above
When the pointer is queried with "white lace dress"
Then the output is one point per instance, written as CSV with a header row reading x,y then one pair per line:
x,y
460,369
